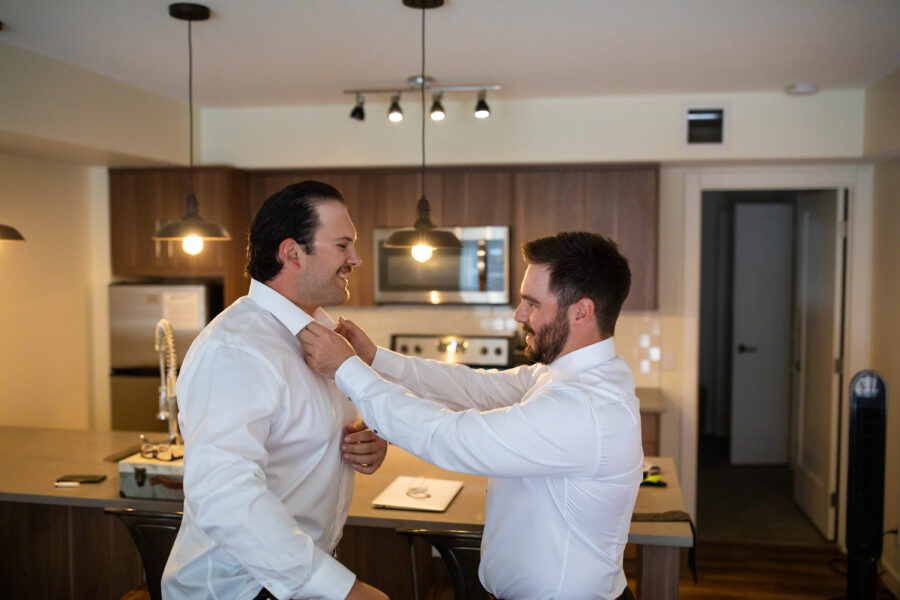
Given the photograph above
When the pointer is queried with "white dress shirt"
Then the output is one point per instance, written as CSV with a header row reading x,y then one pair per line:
x,y
266,491
561,443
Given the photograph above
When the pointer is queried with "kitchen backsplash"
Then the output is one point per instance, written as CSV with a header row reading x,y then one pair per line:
x,y
637,333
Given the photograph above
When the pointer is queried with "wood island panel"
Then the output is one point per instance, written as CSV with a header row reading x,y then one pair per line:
x,y
58,543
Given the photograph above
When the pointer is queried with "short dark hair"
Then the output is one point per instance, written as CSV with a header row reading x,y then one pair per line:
x,y
289,213
584,265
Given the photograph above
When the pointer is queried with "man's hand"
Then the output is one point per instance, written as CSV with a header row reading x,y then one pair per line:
x,y
363,591
323,350
362,449
361,342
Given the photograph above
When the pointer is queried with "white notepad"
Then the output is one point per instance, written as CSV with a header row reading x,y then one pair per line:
x,y
435,495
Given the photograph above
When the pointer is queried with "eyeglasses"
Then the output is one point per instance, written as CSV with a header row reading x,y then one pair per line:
x,y
418,489
167,452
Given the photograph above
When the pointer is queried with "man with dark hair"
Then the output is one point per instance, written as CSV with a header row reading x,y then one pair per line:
x,y
561,439
266,489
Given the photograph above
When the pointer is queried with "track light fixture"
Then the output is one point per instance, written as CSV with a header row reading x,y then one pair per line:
x,y
416,83
395,113
358,112
437,109
482,110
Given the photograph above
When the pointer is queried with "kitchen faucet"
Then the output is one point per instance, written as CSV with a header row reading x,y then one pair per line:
x,y
165,345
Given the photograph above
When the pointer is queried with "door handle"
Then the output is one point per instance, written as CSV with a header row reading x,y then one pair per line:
x,y
743,349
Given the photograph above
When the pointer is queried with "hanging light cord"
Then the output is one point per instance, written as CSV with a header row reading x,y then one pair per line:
x,y
191,105
422,88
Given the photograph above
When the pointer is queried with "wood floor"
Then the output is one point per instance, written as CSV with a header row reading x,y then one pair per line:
x,y
759,571
753,571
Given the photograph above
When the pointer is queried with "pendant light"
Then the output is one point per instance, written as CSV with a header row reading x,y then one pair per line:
x,y
191,230
10,234
423,238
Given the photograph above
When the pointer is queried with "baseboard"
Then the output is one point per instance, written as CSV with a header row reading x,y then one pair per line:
x,y
890,578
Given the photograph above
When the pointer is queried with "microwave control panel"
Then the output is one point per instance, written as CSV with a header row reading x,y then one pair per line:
x,y
475,351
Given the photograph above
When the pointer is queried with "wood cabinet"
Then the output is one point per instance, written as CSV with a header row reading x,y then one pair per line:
x,y
619,201
143,199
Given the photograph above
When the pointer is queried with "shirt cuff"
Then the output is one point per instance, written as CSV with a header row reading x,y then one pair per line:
x,y
354,376
328,579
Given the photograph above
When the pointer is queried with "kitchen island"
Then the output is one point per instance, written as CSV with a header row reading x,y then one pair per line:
x,y
58,542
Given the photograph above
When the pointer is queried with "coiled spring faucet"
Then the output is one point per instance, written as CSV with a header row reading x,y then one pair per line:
x,y
168,363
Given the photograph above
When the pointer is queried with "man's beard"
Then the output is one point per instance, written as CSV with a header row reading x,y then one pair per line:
x,y
549,340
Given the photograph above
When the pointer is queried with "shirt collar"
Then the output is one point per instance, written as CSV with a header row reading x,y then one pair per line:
x,y
578,361
291,316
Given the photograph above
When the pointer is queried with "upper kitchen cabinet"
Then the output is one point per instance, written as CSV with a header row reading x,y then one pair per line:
x,y
617,201
143,199
358,189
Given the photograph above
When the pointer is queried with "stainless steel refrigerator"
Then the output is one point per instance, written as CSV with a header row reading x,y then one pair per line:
x,y
134,311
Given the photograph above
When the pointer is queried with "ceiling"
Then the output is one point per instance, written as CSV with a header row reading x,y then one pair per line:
x,y
294,52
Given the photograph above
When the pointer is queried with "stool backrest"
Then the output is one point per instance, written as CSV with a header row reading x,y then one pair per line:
x,y
154,535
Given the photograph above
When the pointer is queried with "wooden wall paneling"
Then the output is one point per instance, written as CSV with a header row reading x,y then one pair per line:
x,y
477,197
368,550
101,540
238,224
358,189
546,201
53,552
397,193
622,203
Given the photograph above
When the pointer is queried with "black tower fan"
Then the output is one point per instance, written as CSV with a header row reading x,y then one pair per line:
x,y
865,483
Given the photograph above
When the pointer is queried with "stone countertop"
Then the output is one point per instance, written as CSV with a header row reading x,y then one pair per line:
x,y
31,459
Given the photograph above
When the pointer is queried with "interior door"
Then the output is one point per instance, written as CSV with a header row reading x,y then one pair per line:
x,y
817,348
761,340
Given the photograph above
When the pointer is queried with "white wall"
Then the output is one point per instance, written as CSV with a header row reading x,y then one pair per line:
x,y
761,126
47,296
51,109
885,348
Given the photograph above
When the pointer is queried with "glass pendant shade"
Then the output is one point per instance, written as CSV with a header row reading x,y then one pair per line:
x,y
10,234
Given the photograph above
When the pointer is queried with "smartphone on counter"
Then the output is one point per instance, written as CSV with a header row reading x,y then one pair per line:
x,y
76,480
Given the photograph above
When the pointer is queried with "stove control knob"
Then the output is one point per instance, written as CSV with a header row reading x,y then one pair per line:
x,y
404,349
498,350
418,349
484,350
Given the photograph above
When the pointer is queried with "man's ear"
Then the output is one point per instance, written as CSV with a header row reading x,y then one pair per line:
x,y
581,313
291,254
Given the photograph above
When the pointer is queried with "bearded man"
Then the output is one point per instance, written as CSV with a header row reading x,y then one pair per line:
x,y
560,439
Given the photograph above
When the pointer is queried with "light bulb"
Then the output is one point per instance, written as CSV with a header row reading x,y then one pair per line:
x,y
421,252
192,244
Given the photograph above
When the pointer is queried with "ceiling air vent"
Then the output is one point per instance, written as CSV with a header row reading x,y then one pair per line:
x,y
705,125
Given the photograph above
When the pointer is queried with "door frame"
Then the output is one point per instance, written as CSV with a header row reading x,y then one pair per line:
x,y
857,179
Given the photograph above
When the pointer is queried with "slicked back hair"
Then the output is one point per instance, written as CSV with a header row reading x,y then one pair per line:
x,y
584,265
289,213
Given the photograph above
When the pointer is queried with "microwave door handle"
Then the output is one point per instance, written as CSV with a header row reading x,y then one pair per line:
x,y
481,264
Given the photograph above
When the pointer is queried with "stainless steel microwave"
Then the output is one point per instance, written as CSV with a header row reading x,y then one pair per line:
x,y
478,273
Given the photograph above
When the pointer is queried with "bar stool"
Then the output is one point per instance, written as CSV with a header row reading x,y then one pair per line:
x,y
461,552
154,535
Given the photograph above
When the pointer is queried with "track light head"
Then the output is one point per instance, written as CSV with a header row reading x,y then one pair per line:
x,y
395,113
482,110
358,112
437,109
